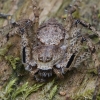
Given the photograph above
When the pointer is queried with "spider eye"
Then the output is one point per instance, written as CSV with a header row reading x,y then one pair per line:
x,y
48,59
40,59
45,59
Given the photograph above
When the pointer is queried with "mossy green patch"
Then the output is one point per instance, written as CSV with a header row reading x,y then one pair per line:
x,y
31,89
52,92
85,96
4,50
76,14
13,60
99,15
98,96
25,90
5,94
93,70
12,91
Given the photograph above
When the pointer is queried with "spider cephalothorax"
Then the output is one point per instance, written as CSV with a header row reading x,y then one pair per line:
x,y
51,47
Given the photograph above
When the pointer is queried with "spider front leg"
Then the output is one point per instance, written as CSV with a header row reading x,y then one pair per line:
x,y
27,51
27,60
88,26
90,44
36,11
6,16
93,50
75,54
74,40
27,30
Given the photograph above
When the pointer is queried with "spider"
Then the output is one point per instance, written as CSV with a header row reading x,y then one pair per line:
x,y
52,47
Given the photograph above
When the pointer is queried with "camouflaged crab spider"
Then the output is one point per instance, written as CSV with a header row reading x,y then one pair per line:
x,y
51,47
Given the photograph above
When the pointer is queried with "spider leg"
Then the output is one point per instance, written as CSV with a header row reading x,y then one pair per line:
x,y
81,58
35,26
36,10
71,40
6,16
88,26
91,52
20,28
27,30
26,50
91,46
69,19
76,55
74,40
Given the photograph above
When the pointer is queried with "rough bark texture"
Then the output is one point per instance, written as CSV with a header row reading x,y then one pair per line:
x,y
78,84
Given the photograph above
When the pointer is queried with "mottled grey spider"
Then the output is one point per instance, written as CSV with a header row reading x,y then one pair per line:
x,y
51,47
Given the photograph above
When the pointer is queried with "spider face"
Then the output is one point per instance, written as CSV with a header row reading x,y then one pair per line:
x,y
43,56
47,56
